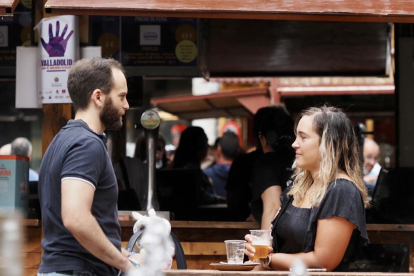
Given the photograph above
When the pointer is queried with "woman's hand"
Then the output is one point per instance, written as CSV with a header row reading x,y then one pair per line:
x,y
249,250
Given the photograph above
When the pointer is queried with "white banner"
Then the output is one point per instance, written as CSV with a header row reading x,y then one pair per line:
x,y
26,83
58,50
26,74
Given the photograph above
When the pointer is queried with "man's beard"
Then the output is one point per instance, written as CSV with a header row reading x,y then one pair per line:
x,y
110,116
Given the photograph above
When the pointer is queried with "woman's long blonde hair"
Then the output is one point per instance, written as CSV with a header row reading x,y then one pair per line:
x,y
339,152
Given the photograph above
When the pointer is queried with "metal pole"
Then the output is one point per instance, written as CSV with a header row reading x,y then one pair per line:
x,y
150,121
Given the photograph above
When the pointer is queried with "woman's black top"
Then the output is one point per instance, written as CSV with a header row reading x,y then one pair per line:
x,y
271,169
294,229
291,229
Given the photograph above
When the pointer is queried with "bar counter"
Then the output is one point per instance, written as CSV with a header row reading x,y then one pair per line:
x,y
203,244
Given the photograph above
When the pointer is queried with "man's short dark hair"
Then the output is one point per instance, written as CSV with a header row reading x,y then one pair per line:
x,y
87,75
21,147
229,143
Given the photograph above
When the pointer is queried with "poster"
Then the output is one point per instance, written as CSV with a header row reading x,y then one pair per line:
x,y
58,50
159,41
105,33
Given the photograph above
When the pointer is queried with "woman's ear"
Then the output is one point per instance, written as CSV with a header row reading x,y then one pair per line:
x,y
98,97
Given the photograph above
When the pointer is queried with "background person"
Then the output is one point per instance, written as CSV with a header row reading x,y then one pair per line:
x,y
273,169
191,150
240,177
23,147
227,149
371,166
77,185
322,216
161,161
5,149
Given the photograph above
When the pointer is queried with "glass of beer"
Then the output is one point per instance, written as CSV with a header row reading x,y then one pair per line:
x,y
261,242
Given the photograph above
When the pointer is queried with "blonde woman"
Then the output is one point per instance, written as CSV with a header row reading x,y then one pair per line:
x,y
322,216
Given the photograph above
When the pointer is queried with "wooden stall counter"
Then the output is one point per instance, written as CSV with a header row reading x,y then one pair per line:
x,y
203,241
203,244
32,250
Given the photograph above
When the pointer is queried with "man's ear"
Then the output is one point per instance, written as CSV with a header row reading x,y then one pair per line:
x,y
98,97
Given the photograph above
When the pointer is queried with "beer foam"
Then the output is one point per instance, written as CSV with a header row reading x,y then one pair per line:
x,y
260,242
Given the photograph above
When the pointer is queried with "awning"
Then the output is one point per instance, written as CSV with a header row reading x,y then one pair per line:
x,y
291,91
397,11
7,7
241,103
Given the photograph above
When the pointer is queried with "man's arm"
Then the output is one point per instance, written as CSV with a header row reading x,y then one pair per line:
x,y
77,198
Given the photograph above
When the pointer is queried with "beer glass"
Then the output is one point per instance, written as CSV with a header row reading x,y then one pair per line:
x,y
235,251
261,242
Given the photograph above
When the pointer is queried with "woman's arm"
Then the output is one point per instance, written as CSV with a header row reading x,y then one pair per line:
x,y
332,239
271,203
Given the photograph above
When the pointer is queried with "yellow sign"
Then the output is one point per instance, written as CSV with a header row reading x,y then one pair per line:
x,y
186,51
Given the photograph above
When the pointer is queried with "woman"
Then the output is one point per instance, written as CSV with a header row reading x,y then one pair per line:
x,y
272,170
322,216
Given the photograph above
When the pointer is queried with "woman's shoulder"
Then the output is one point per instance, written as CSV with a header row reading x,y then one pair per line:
x,y
342,187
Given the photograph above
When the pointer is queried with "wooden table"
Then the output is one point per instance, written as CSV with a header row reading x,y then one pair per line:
x,y
273,273
393,234
203,244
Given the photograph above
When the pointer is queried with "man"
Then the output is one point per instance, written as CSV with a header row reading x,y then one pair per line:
x,y
371,166
77,185
226,152
23,147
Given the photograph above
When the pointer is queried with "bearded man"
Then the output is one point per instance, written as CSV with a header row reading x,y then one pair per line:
x,y
77,185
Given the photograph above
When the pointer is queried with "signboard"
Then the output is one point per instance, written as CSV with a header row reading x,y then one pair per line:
x,y
150,119
58,49
159,41
15,31
14,175
105,32
152,46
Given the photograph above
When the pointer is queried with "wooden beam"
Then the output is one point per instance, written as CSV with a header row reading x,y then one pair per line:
x,y
55,117
401,11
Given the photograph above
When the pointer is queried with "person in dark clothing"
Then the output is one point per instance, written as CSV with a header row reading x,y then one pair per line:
x,y
227,149
192,149
322,216
240,177
78,191
161,161
273,169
